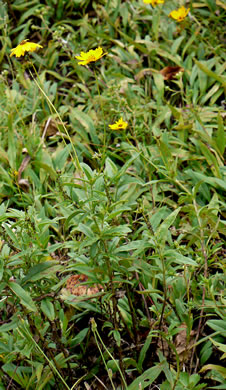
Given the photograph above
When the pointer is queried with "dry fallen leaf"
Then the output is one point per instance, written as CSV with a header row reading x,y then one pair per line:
x,y
162,343
76,286
23,183
182,345
51,127
23,165
169,72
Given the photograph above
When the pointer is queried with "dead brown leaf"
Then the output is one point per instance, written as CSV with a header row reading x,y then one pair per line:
x,y
23,166
23,183
51,127
183,344
170,72
76,286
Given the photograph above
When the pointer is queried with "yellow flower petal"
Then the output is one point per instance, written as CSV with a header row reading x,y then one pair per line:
x,y
153,2
179,14
24,46
90,56
119,125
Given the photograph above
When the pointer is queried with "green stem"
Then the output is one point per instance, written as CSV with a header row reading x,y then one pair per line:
x,y
95,331
102,111
77,164
41,351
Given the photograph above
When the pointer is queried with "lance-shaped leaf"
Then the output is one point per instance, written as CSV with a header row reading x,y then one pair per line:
x,y
24,296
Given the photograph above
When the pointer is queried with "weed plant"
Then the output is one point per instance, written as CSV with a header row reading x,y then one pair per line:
x,y
112,196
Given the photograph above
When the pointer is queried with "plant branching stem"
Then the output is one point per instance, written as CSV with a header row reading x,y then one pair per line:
x,y
46,357
95,331
77,164
203,248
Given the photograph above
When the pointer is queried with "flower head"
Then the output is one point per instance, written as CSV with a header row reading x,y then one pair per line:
x,y
24,46
90,56
119,125
179,14
153,2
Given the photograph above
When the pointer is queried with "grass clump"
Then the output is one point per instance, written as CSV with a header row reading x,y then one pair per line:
x,y
112,195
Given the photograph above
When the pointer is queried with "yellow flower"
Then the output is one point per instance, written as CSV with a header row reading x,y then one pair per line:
x,y
119,125
90,56
24,46
153,2
179,14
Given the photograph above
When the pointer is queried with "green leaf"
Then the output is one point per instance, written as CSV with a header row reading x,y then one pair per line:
x,y
144,351
220,346
127,165
15,373
211,159
213,181
166,154
85,229
175,257
147,378
87,170
11,235
87,122
47,168
161,232
39,271
38,370
221,138
111,169
116,231
1,268
117,337
48,309
159,215
188,44
9,326
60,157
117,212
220,369
78,339
218,325
59,77
4,348
24,296
210,73
206,352
176,44
132,246
127,362
159,82
202,77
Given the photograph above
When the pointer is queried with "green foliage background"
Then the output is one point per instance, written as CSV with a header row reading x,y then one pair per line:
x,y
138,213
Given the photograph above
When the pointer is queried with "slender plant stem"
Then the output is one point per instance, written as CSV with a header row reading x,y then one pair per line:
x,y
41,351
95,332
102,111
77,164
203,248
94,329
